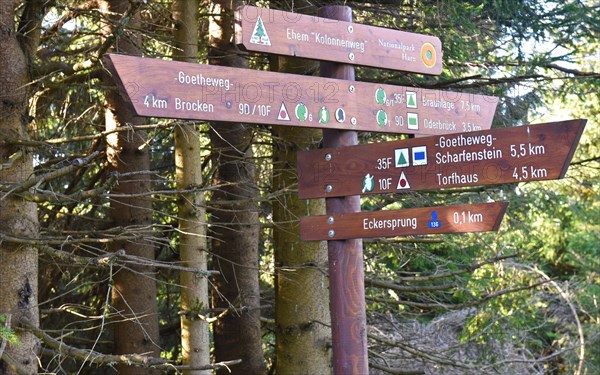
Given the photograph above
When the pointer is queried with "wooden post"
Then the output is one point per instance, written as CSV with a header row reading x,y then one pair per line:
x,y
346,273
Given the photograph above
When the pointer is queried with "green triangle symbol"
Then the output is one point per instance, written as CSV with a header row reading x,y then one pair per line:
x,y
401,159
411,101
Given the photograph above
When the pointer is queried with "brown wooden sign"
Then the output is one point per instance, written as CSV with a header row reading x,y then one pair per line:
x,y
169,89
292,34
409,222
497,156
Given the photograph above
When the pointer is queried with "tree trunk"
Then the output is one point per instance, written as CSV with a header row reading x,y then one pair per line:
x,y
195,342
18,218
235,226
303,344
134,289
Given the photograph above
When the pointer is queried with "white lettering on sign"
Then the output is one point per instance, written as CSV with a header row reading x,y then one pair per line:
x,y
466,140
337,42
397,45
438,103
442,125
196,106
262,110
407,57
456,178
201,80
406,222
396,98
293,35
460,157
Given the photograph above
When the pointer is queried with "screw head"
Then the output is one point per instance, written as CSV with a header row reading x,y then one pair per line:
x,y
330,220
328,157
353,121
331,233
351,56
351,88
350,29
328,188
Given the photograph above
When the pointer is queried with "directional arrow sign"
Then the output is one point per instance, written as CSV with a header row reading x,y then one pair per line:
x,y
169,89
293,34
415,221
517,154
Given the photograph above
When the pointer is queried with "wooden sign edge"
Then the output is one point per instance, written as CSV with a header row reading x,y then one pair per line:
x,y
107,59
238,32
501,213
569,157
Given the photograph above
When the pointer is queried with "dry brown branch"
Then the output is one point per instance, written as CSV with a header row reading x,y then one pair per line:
x,y
106,237
437,305
101,359
395,371
118,257
392,285
12,364
421,354
567,299
91,137
468,268
38,180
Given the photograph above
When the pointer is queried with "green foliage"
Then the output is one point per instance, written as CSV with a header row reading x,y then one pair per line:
x,y
7,334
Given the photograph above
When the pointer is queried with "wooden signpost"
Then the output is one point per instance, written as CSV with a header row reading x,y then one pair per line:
x,y
293,34
497,156
460,152
467,218
169,89
347,304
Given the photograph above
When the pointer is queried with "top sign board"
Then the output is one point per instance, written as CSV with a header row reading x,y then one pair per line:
x,y
293,34
497,156
171,89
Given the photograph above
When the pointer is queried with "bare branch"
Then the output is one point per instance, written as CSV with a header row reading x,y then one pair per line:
x,y
468,268
395,371
37,180
101,359
437,305
421,354
420,288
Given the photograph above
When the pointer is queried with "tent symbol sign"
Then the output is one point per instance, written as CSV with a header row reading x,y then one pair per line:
x,y
401,157
259,35
411,99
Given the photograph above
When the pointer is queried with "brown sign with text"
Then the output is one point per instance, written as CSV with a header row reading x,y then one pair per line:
x,y
293,34
509,155
464,218
169,89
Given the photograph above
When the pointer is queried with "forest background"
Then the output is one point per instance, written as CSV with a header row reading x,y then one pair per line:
x,y
138,245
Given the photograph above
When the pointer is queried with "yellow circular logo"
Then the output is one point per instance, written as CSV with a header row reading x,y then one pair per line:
x,y
428,55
